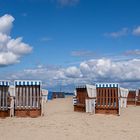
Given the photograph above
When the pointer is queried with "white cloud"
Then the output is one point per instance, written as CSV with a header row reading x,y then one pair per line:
x,y
117,34
136,31
98,70
7,58
124,32
18,47
102,69
133,52
6,23
11,50
73,72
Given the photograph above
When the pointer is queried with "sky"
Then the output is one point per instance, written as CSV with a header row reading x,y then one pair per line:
x,y
66,43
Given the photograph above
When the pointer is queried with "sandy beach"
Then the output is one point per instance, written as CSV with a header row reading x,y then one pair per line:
x,y
62,123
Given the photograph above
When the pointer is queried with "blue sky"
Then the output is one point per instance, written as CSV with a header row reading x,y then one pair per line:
x,y
65,40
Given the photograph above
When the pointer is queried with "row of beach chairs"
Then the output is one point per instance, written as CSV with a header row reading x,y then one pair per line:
x,y
104,98
21,100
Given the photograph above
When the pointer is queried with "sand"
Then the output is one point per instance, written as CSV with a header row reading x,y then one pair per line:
x,y
62,123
